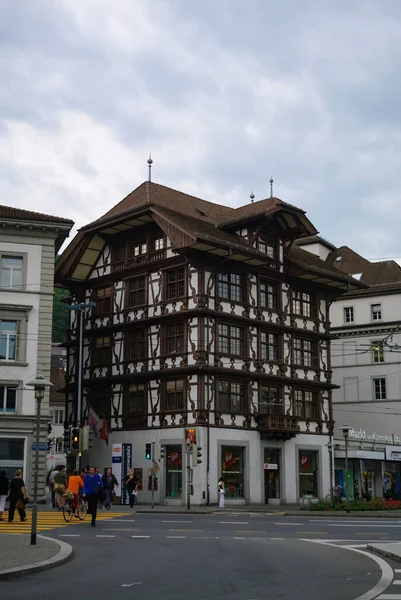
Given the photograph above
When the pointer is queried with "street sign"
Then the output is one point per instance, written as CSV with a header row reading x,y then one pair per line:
x,y
270,467
41,446
156,467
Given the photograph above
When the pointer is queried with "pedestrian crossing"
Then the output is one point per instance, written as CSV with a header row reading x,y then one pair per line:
x,y
48,520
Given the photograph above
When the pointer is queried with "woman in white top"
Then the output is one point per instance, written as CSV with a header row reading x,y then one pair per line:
x,y
221,492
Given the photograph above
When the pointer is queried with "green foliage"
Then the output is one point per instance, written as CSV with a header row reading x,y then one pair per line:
x,y
360,505
60,316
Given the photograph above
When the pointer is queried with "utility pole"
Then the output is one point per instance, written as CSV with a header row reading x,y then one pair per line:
x,y
80,307
153,455
188,442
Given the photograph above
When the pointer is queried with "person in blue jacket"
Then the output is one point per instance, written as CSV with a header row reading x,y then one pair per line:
x,y
92,484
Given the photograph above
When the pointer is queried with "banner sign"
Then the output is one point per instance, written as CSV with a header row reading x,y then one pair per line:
x,y
125,465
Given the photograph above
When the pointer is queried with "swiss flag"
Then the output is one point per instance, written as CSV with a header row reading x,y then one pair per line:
x,y
175,457
305,461
104,431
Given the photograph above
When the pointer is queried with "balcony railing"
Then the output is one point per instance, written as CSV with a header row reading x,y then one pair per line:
x,y
137,261
277,427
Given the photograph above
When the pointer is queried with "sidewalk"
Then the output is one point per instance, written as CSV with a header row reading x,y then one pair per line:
x,y
19,558
389,550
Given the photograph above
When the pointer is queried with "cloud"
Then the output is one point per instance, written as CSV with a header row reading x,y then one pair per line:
x,y
224,95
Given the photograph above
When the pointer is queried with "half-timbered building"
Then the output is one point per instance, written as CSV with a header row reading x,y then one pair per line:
x,y
207,317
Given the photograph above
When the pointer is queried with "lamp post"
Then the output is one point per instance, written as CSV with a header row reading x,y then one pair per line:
x,y
81,307
345,429
330,447
39,384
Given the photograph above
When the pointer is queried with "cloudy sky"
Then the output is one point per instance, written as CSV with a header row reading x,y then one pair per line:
x,y
224,93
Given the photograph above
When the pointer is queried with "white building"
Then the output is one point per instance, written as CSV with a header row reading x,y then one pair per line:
x,y
207,318
28,244
366,362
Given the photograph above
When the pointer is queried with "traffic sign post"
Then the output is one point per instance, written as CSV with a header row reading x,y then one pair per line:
x,y
42,447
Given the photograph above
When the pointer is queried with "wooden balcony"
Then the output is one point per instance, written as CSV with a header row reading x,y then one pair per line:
x,y
138,261
277,427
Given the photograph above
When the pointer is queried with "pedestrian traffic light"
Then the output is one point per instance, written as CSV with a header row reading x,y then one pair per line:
x,y
67,440
148,451
199,454
160,451
84,439
75,439
90,436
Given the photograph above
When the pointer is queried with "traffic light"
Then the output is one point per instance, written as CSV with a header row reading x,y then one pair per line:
x,y
90,437
160,451
75,440
67,440
148,451
199,454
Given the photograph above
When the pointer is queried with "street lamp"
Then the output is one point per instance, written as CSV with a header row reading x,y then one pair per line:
x,y
39,384
330,447
345,429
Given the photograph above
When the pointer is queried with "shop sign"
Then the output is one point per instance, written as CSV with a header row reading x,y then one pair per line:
x,y
270,467
393,453
363,436
11,463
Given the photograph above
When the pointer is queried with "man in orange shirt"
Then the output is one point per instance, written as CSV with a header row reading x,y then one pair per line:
x,y
75,483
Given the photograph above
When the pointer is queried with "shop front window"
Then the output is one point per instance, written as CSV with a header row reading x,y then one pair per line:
x,y
11,455
308,474
174,471
232,471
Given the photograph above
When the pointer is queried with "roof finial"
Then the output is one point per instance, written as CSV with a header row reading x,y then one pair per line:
x,y
252,196
271,186
150,162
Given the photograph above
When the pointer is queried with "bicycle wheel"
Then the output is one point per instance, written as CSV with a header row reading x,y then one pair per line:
x,y
82,509
67,511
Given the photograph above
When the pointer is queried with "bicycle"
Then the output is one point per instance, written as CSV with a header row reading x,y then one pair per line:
x,y
69,507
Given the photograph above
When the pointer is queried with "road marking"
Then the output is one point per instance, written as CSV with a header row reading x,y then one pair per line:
x,y
107,536
124,521
292,524
364,525
176,521
277,539
194,530
372,533
131,584
69,534
141,536
397,582
248,531
176,537
312,532
119,529
201,537
388,597
385,580
239,538
397,570
235,522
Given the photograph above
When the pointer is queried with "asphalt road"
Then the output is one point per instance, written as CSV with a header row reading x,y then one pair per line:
x,y
239,557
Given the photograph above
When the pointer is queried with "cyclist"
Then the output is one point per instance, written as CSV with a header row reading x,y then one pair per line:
x,y
75,484
60,481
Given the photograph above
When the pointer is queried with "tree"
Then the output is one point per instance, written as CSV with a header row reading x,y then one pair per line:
x,y
60,316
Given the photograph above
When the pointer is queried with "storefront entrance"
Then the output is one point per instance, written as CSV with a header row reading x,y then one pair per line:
x,y
272,475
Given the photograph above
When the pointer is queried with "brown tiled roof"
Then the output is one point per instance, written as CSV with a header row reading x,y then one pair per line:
x,y
261,207
309,261
9,212
153,193
372,274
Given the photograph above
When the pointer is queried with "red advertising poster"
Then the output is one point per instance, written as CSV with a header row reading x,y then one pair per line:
x,y
229,460
150,481
138,473
175,457
305,461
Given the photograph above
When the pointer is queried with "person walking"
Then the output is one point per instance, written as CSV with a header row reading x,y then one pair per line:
x,y
91,486
75,484
109,482
356,489
337,492
51,485
3,492
131,483
60,482
221,492
18,497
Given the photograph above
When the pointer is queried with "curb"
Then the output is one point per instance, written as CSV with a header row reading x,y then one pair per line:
x,y
386,553
63,555
343,514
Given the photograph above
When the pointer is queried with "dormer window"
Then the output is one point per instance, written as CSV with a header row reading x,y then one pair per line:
x,y
267,244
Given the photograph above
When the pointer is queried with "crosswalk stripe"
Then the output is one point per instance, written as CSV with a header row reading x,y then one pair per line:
x,y
48,520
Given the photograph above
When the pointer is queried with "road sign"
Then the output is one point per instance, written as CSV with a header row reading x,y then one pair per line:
x,y
41,446
156,467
